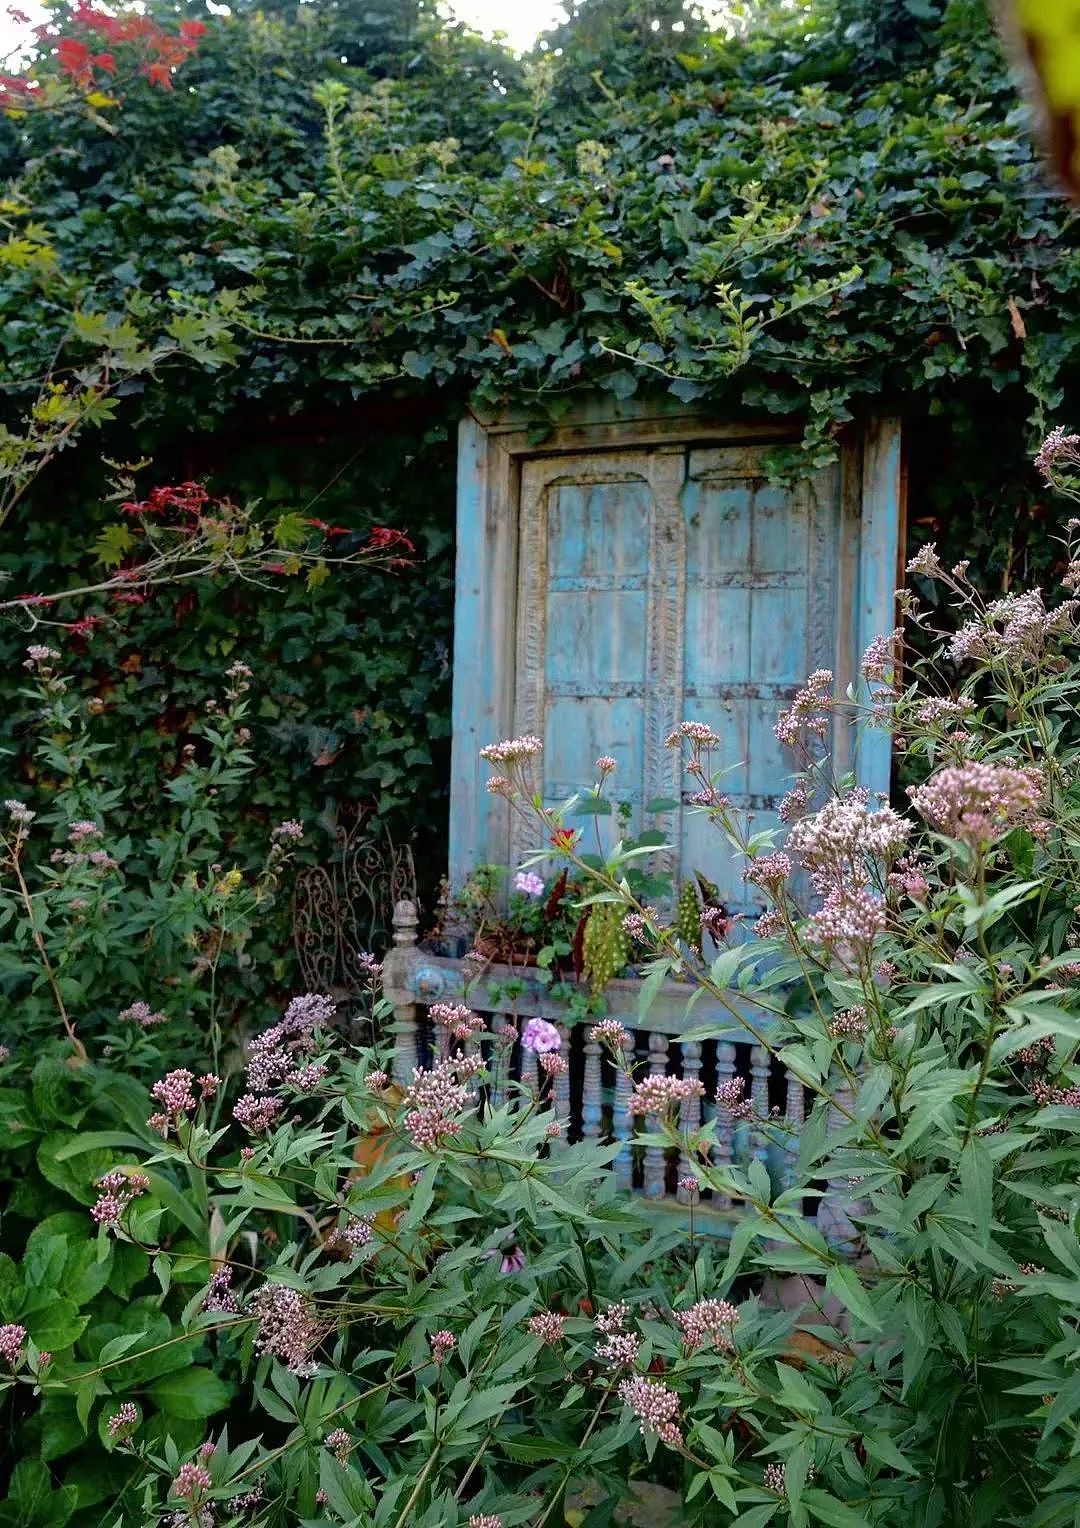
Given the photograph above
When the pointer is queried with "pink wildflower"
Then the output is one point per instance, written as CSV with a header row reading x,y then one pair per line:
x,y
142,1014
289,832
376,1081
548,1326
926,561
219,1296
552,1064
730,1098
513,750
540,1036
485,1520
340,1443
611,1033
529,884
443,1344
663,1094
257,1111
620,1349
975,803
655,1406
809,711
124,1419
850,1024
459,1020
12,1337
288,1329
709,1321
436,1099
174,1093
769,871
606,764
191,1481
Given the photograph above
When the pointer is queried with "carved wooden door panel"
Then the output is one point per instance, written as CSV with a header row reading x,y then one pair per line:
x,y
660,585
636,568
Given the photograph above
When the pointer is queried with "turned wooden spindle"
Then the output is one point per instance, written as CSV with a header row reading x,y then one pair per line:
x,y
655,1164
397,981
759,1094
795,1117
591,1100
560,1091
689,1109
623,1127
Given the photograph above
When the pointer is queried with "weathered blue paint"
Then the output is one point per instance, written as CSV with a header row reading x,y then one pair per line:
x,y
605,593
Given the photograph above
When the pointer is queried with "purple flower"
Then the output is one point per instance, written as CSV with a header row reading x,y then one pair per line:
x,y
529,883
540,1036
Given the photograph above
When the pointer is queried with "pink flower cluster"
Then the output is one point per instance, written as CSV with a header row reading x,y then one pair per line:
x,y
123,1419
485,1520
697,734
976,803
457,1019
1057,450
219,1297
709,1322
1012,630
620,1349
142,1014
663,1095
548,1326
731,1099
12,1337
540,1037
289,832
288,1327
436,1099
655,1406
340,1443
611,1033
849,1024
529,884
275,1061
769,871
191,1481
443,1344
879,659
838,843
117,1190
514,750
809,712
174,1094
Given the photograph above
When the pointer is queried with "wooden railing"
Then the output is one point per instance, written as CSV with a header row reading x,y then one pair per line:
x,y
592,1096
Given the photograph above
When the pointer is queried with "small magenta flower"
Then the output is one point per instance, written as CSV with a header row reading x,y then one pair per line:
x,y
529,884
485,1520
191,1481
611,1033
12,1338
655,1406
709,1321
123,1420
662,1095
541,1037
375,1082
142,1014
552,1064
606,764
443,1344
340,1443
548,1326
513,1261
288,832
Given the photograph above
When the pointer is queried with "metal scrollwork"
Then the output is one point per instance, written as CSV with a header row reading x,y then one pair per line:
x,y
347,905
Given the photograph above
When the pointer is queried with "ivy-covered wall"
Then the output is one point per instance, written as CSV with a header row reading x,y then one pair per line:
x,y
354,216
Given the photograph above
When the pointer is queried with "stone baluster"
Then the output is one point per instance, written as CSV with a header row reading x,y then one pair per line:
x,y
725,1125
655,1164
759,1094
794,1115
398,969
623,1125
560,1091
689,1109
592,1112
840,1198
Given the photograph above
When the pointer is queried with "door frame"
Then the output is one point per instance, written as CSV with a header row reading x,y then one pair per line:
x,y
491,450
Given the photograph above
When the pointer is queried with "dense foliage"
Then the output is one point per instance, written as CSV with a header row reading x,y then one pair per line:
x,y
285,274
315,1295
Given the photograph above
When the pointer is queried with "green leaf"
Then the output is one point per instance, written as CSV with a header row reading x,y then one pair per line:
x,y
190,1394
843,1282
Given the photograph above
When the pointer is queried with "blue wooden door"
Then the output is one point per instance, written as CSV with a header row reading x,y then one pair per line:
x,y
660,585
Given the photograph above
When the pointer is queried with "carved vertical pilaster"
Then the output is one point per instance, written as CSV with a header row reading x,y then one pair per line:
x,y
531,633
666,635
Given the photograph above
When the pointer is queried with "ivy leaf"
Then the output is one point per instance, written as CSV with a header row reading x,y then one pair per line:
x,y
113,545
